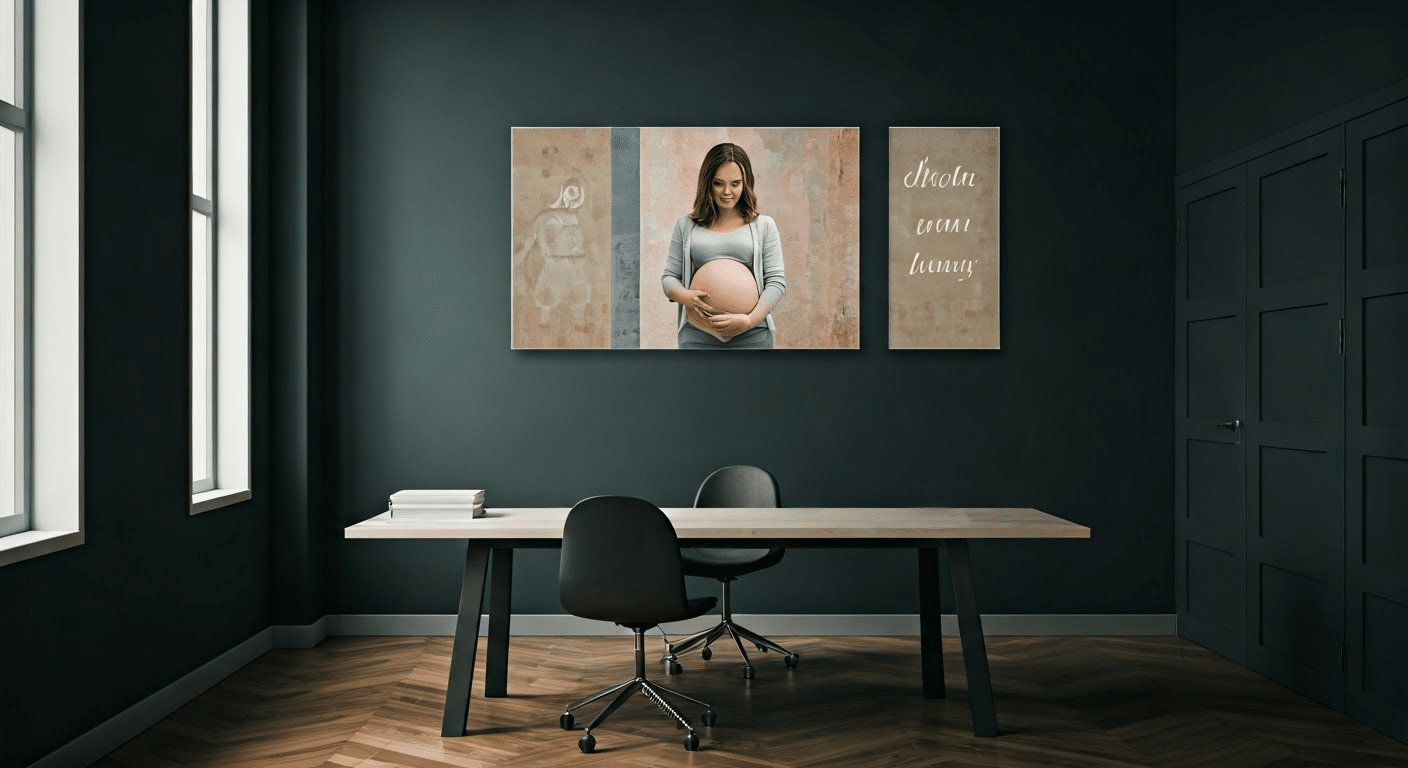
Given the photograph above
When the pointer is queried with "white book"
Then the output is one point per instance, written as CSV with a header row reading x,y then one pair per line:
x,y
434,492
437,497
434,504
435,512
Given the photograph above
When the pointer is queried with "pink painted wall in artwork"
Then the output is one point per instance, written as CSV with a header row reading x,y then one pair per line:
x,y
808,180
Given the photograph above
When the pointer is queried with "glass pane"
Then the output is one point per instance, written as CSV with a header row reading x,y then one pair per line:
x,y
9,48
201,352
200,98
11,285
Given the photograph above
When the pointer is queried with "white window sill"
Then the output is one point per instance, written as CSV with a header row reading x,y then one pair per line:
x,y
30,544
220,497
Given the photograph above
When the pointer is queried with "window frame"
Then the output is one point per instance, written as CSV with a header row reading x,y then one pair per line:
x,y
229,239
203,167
15,118
52,369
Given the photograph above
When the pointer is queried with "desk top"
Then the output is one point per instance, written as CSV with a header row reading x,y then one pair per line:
x,y
787,523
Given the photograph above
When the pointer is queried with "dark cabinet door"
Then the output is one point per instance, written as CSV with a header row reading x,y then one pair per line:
x,y
1294,433
1210,374
1376,420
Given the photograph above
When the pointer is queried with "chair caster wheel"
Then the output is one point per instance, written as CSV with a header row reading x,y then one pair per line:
x,y
748,672
673,668
691,743
710,718
587,743
566,721
706,653
791,660
761,648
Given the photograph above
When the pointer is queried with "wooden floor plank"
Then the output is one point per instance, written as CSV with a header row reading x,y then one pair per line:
x,y
1082,702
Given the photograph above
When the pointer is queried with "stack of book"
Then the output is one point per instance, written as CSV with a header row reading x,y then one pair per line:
x,y
436,503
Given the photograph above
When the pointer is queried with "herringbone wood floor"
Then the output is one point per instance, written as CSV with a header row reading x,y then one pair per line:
x,y
1087,702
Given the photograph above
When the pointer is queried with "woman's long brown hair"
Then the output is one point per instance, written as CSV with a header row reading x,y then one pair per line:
x,y
705,212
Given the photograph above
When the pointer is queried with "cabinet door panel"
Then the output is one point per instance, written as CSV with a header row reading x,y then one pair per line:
x,y
1214,216
1299,231
1303,342
1215,379
1381,172
1294,437
1385,370
1376,419
1210,390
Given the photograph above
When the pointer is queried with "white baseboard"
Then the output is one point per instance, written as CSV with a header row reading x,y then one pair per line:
x,y
95,744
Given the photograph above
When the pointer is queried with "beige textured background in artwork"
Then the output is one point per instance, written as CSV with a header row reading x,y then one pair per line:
x,y
944,227
808,180
561,270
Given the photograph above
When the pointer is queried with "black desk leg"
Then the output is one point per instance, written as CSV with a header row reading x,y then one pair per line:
x,y
931,634
970,632
457,690
500,595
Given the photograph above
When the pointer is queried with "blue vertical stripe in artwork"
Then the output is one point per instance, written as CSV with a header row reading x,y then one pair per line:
x,y
625,238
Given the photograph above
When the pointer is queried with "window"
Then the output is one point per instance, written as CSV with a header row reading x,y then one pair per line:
x,y
219,253
202,251
15,177
41,494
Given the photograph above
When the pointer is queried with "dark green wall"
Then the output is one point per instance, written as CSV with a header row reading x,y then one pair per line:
x,y
1249,69
301,298
153,593
381,307
1070,416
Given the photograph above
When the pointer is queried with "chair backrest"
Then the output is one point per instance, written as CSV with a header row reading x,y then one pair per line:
x,y
739,486
621,563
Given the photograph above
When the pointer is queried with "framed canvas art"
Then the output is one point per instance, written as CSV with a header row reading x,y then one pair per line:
x,y
944,227
614,232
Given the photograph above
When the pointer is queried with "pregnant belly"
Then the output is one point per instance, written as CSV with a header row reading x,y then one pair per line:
x,y
730,285
731,290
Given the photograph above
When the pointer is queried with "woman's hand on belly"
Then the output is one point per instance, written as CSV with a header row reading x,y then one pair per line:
x,y
701,321
721,325
693,301
726,325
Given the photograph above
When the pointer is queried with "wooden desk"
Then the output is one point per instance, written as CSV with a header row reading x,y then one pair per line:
x,y
500,531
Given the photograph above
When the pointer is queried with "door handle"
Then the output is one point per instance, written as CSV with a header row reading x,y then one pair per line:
x,y
1230,426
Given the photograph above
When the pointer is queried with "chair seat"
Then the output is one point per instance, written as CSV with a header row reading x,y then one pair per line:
x,y
698,606
727,562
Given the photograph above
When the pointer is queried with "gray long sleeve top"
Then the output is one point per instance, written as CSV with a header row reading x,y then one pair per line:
x,y
766,266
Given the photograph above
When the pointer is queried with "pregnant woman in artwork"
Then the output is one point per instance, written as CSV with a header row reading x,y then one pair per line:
x,y
725,263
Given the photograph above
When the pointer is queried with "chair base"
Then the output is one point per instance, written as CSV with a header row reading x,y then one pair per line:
x,y
734,630
657,694
738,633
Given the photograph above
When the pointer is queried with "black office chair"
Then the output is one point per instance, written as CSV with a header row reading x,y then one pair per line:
x,y
621,563
736,486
